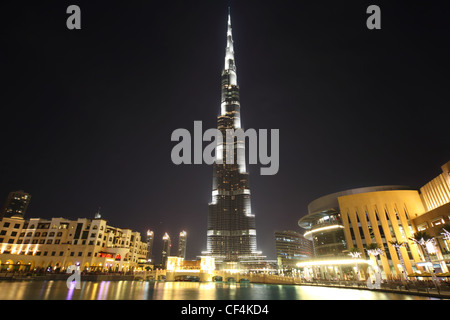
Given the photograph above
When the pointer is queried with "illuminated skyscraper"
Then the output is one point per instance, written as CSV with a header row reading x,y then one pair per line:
x,y
166,249
16,204
182,244
231,230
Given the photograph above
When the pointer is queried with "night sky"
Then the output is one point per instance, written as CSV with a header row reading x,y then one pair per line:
x,y
87,115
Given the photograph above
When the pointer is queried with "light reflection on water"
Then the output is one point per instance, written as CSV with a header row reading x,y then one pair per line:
x,y
145,290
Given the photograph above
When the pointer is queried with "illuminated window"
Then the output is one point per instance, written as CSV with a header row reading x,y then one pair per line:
x,y
421,227
437,222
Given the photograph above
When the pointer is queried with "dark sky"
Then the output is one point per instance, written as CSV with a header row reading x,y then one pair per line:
x,y
87,115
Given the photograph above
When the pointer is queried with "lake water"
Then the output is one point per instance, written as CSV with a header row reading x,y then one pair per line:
x,y
148,290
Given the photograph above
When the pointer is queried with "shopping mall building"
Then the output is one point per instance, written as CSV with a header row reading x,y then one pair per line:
x,y
342,225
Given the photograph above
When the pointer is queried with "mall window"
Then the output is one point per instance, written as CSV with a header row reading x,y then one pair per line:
x,y
437,222
421,227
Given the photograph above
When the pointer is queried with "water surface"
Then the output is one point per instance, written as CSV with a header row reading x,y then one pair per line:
x,y
148,290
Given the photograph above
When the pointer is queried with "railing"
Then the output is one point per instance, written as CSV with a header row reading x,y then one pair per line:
x,y
411,287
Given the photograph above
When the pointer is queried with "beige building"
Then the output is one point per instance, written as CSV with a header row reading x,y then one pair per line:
x,y
436,193
384,215
40,244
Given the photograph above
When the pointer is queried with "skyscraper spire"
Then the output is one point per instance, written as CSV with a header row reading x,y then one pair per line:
x,y
229,52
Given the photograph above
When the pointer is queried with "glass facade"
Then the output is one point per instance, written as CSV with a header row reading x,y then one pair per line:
x,y
327,234
291,247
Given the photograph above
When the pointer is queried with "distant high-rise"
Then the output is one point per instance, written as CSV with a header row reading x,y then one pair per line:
x,y
150,236
16,204
292,247
182,244
97,214
166,249
231,230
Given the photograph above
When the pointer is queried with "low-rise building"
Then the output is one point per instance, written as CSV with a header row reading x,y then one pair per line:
x,y
54,245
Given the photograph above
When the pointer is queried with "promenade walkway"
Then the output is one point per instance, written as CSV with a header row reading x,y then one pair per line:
x,y
422,288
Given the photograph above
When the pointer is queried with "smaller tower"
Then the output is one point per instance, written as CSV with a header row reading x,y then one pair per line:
x,y
166,249
149,245
182,244
16,204
97,214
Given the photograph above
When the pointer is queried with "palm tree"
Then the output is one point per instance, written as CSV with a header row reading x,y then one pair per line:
x,y
445,231
373,249
398,245
422,239
355,253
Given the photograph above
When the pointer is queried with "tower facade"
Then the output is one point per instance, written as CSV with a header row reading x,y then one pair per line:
x,y
150,236
167,244
182,239
231,230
